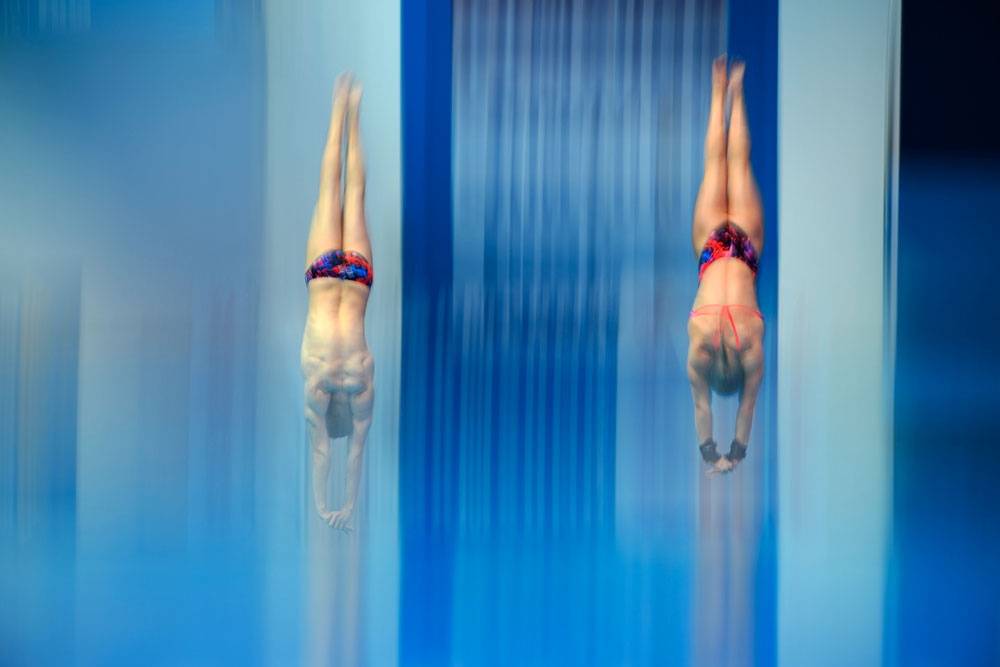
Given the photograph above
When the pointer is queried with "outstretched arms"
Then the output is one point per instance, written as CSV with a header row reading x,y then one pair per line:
x,y
317,404
699,366
753,369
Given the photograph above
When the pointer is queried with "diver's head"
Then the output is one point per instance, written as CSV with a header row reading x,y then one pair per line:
x,y
725,375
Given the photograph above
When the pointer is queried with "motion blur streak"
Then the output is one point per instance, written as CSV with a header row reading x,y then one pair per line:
x,y
532,490
131,180
349,584
833,452
553,493
158,172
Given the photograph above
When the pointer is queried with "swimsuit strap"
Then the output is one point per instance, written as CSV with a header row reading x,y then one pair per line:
x,y
729,314
725,309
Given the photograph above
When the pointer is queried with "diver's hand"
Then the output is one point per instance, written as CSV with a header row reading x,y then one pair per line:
x,y
723,465
340,519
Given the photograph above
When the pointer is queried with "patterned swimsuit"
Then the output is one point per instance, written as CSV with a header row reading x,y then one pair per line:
x,y
347,265
727,241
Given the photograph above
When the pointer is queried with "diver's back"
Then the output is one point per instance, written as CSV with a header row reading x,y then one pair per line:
x,y
726,291
334,350
728,281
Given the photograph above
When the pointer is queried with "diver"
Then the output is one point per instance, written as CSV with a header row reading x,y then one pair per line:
x,y
725,327
336,362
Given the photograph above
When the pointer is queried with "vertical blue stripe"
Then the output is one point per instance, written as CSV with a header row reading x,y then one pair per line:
x,y
425,365
753,36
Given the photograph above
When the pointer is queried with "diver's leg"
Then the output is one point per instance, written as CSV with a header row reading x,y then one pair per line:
x,y
710,206
745,207
355,231
325,232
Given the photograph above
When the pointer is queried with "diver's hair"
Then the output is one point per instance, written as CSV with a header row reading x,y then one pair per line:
x,y
726,374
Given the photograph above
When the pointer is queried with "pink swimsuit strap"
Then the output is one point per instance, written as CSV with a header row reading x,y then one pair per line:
x,y
724,309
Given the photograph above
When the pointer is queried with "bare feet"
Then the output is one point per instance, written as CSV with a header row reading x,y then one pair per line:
x,y
719,74
735,78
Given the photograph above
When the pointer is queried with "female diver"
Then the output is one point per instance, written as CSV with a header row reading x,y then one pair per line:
x,y
336,362
725,327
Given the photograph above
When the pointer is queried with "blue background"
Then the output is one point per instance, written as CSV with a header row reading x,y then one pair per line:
x,y
550,507
944,595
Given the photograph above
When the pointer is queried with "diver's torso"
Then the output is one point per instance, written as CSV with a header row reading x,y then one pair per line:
x,y
727,282
334,350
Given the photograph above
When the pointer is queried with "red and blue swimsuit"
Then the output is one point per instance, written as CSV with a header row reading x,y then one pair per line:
x,y
347,265
727,241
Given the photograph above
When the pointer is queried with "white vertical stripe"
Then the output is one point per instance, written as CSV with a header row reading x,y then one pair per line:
x,y
833,457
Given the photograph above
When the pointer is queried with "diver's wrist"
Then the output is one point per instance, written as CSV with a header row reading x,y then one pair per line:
x,y
709,451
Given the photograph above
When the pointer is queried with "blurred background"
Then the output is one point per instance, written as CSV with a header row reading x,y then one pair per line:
x,y
532,491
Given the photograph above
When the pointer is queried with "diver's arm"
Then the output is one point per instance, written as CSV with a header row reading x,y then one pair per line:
x,y
698,363
361,410
317,402
753,365
355,453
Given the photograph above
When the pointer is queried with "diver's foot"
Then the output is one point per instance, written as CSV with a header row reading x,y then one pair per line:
x,y
719,74
736,78
343,82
